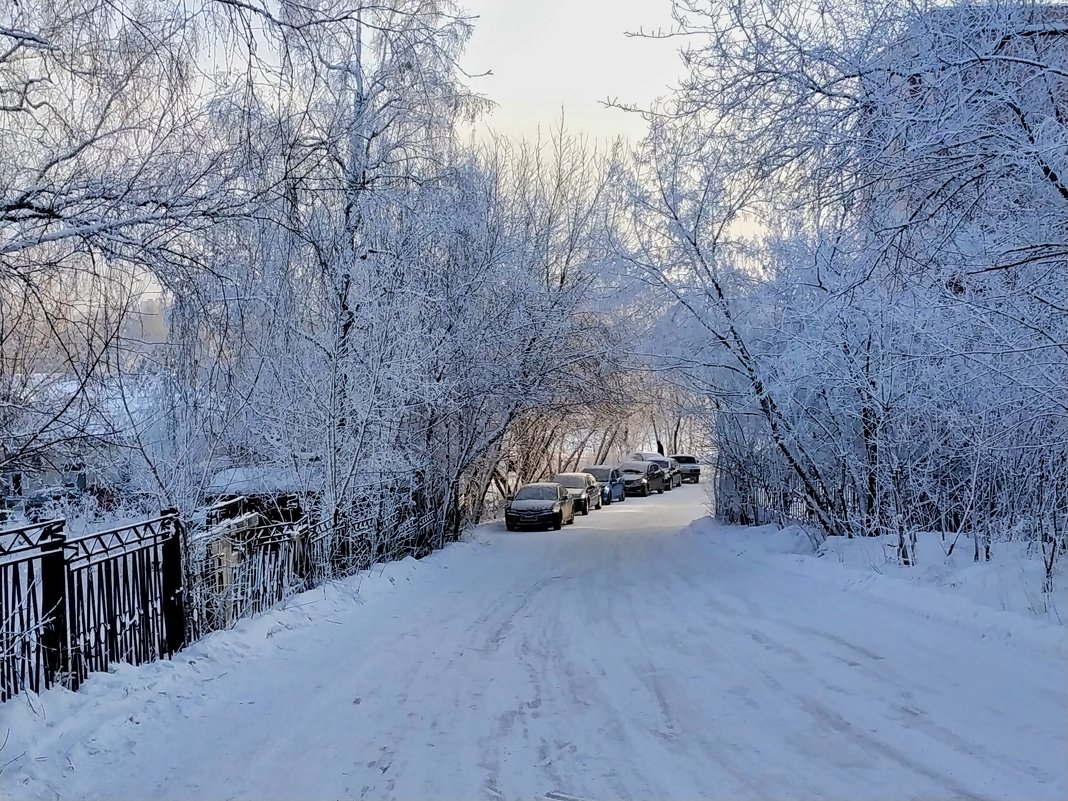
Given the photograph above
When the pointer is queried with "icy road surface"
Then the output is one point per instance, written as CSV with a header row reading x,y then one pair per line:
x,y
623,658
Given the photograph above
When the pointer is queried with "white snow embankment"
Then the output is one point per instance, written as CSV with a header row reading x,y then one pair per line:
x,y
1001,598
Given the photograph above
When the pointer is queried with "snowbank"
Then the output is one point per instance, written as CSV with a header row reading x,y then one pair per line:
x,y
1001,598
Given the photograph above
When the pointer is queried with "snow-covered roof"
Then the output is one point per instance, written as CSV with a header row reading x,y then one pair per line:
x,y
255,480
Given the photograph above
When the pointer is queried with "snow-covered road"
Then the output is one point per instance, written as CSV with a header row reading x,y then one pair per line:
x,y
621,658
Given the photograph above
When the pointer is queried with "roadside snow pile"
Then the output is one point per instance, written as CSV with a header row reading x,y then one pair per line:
x,y
789,540
1002,597
90,722
1011,581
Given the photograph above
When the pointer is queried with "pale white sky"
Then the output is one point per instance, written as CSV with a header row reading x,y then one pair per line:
x,y
545,54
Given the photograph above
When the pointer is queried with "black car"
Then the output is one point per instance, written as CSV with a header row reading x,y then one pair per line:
x,y
689,466
542,505
583,489
673,476
641,478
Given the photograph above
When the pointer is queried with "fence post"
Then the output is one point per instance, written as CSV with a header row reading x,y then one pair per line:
x,y
173,582
55,642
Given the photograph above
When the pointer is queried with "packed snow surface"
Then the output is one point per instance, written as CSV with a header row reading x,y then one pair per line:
x,y
630,656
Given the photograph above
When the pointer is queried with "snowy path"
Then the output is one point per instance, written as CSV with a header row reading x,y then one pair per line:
x,y
616,659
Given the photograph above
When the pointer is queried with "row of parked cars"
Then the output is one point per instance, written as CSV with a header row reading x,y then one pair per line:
x,y
553,504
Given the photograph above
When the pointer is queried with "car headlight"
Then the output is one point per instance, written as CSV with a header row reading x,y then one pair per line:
x,y
556,507
645,481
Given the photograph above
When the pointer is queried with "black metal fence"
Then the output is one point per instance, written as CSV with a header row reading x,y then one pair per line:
x,y
124,595
137,593
72,606
30,634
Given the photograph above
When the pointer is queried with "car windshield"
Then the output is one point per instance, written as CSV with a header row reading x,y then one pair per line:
x,y
575,482
542,493
600,473
685,459
634,467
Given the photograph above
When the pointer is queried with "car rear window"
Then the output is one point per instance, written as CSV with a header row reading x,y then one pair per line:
x,y
575,482
685,459
537,494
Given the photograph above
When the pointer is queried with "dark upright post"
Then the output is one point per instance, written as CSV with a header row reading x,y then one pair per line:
x,y
172,582
55,644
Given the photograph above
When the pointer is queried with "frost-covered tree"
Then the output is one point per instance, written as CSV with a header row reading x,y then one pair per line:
x,y
394,299
859,211
104,192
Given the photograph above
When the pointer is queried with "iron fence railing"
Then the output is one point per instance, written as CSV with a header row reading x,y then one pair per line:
x,y
32,634
124,595
72,605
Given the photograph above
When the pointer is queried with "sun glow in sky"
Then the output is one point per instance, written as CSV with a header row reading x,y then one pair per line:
x,y
571,54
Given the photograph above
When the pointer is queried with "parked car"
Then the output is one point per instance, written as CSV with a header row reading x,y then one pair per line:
x,y
47,502
541,505
641,478
583,489
689,467
671,470
645,456
676,471
611,481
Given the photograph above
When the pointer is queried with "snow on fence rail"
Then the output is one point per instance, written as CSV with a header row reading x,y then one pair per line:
x,y
141,592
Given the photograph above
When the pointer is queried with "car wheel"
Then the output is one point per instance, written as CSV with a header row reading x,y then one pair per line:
x,y
661,490
509,526
558,523
608,501
585,510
